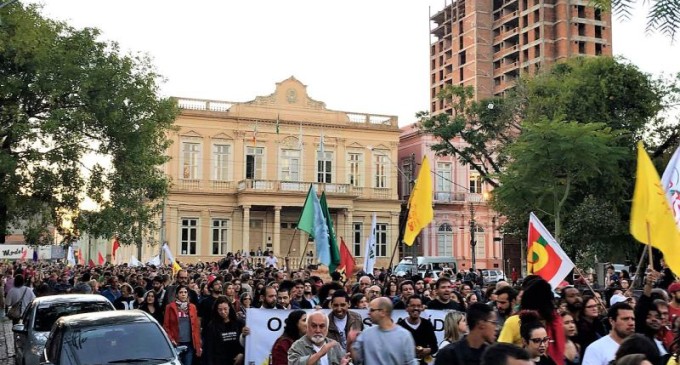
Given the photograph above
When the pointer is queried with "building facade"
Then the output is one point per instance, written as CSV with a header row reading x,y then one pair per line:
x,y
488,44
240,173
459,206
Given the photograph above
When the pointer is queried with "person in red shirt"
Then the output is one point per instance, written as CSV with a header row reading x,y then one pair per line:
x,y
674,306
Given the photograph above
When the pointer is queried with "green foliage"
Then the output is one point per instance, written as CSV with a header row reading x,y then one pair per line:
x,y
548,160
663,16
68,97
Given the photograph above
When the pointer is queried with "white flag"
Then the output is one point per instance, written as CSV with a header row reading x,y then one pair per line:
x,y
671,184
168,254
155,261
71,258
134,262
369,257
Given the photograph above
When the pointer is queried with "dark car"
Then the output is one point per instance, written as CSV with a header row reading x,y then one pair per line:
x,y
30,335
119,337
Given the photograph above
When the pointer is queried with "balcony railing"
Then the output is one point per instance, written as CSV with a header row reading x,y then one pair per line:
x,y
456,197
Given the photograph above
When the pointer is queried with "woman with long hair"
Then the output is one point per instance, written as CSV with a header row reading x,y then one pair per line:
x,y
150,306
535,338
246,300
391,290
19,294
537,295
294,328
224,335
182,324
455,328
358,301
572,350
590,324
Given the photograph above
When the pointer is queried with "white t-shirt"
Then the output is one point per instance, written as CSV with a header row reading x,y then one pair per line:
x,y
271,261
324,359
600,352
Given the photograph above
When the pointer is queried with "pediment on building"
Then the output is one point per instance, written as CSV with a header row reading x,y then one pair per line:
x,y
289,93
222,136
380,147
191,134
355,145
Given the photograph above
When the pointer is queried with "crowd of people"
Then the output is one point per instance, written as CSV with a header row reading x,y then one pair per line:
x,y
204,308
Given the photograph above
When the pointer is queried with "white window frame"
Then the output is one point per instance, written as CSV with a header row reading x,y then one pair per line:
x,y
222,243
355,169
255,151
381,169
480,247
445,240
443,181
221,162
186,245
476,183
190,160
286,172
321,177
381,238
357,235
406,178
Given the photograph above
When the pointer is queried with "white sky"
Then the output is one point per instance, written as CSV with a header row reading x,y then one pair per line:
x,y
358,56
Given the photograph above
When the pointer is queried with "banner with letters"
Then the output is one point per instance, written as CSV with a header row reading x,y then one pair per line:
x,y
266,325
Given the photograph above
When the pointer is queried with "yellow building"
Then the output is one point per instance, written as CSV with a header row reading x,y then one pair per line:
x,y
240,172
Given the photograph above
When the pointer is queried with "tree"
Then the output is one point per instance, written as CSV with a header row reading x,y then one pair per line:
x,y
68,97
547,162
663,16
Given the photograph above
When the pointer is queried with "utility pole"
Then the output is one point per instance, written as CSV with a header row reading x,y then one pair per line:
x,y
473,242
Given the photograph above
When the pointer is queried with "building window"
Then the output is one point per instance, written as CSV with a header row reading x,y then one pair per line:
x,y
443,181
254,162
407,177
191,156
324,167
475,182
221,162
380,168
381,239
445,240
220,245
356,239
356,166
290,165
480,249
189,236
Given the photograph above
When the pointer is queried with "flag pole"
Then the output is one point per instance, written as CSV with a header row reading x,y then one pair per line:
x,y
638,271
288,254
302,253
649,246
597,299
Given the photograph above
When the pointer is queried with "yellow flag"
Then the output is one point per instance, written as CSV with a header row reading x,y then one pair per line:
x,y
420,211
651,218
175,268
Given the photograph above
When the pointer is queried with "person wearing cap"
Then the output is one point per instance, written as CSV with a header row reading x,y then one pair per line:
x,y
674,304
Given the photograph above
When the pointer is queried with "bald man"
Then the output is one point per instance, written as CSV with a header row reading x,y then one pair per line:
x,y
384,343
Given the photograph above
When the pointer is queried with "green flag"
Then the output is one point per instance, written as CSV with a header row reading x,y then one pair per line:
x,y
306,221
332,241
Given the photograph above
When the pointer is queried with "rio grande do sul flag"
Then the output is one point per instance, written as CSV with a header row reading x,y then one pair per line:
x,y
545,257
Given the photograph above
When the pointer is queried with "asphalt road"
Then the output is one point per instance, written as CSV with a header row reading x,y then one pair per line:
x,y
6,342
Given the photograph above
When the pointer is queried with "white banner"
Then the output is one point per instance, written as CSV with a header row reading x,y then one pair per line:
x,y
266,325
24,252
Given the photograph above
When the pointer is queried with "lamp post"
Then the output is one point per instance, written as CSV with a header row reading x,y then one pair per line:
x,y
473,242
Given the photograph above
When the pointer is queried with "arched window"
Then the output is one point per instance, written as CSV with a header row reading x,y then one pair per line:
x,y
445,240
480,237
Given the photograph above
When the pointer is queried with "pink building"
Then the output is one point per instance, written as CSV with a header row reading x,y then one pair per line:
x,y
459,198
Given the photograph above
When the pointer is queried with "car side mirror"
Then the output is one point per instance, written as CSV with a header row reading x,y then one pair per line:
x,y
179,349
19,328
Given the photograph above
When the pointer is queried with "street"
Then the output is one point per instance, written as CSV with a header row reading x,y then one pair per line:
x,y
7,343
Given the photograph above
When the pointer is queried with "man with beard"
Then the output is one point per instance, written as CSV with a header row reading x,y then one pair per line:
x,y
421,330
647,314
268,298
572,296
407,291
506,298
205,307
385,343
481,319
314,347
443,299
309,299
341,320
159,289
622,320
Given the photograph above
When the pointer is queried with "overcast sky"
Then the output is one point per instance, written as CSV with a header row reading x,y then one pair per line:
x,y
358,56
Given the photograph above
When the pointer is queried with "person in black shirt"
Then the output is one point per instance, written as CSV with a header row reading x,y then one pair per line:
x,y
224,336
535,338
205,307
421,329
482,321
443,299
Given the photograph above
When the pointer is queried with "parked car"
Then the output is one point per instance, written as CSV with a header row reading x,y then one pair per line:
x,y
30,335
427,264
119,337
492,276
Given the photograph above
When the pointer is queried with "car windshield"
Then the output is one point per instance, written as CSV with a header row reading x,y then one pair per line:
x,y
48,313
107,344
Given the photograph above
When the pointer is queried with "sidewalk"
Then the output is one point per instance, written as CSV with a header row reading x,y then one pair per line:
x,y
6,342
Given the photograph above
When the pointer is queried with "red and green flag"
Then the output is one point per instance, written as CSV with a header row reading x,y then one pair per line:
x,y
545,257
